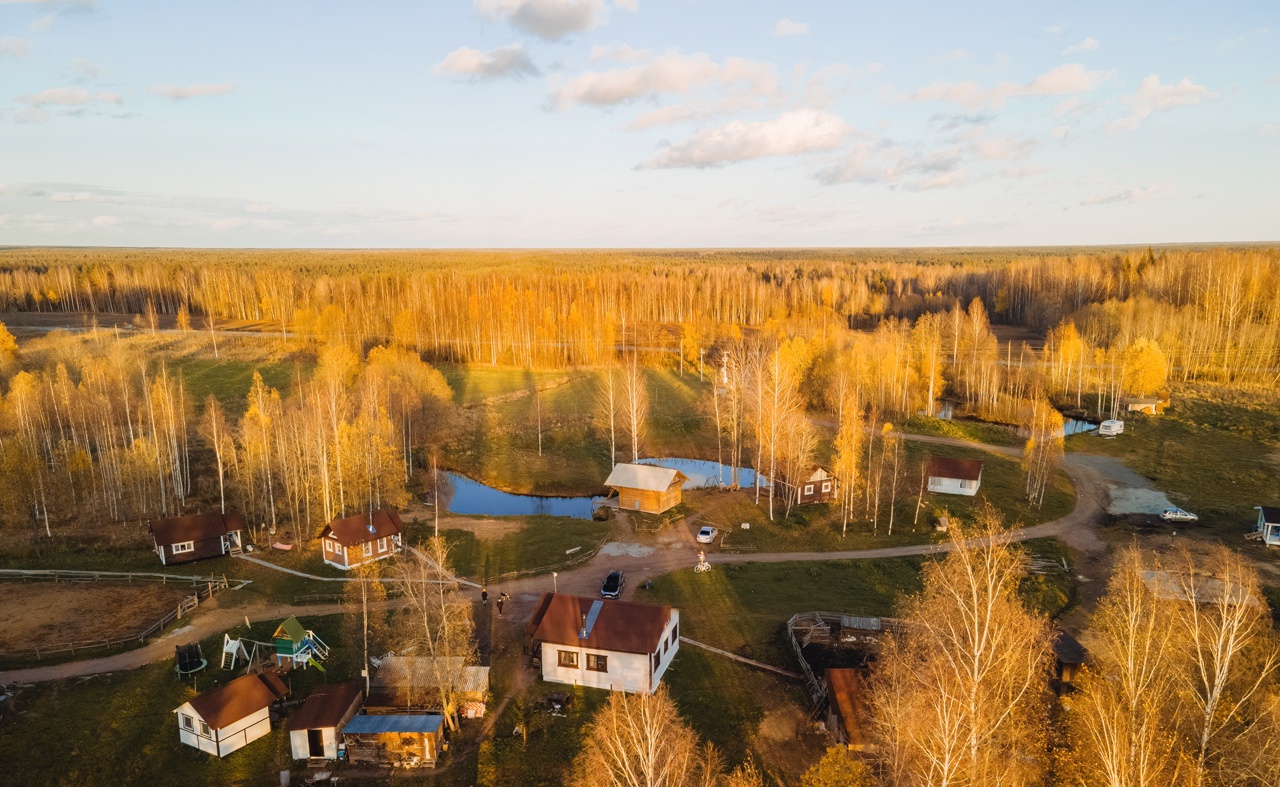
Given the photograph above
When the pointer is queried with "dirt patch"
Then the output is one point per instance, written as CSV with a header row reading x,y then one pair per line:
x,y
787,741
34,614
484,529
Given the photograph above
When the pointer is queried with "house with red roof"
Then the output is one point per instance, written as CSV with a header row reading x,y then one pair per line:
x,y
356,540
617,645
230,717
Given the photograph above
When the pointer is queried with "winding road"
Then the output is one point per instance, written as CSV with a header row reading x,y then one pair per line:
x,y
1076,529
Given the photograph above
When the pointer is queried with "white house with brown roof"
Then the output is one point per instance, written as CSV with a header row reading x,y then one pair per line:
x,y
604,644
1269,524
314,729
197,536
951,476
648,488
230,717
356,540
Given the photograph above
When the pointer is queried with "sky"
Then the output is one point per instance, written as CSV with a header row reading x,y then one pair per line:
x,y
638,123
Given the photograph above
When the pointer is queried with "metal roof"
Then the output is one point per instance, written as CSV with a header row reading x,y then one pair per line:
x,y
196,527
369,526
374,725
620,626
651,478
951,467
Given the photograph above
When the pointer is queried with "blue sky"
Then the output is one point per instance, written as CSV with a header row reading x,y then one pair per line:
x,y
637,123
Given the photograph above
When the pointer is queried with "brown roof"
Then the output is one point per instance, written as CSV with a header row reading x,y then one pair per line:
x,y
364,527
196,527
326,706
845,690
620,626
950,467
241,697
1067,648
1270,514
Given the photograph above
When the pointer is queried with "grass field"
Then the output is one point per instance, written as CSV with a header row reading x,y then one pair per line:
x,y
1213,456
994,434
229,381
543,541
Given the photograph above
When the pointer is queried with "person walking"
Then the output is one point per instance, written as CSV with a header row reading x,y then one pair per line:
x,y
502,597
484,595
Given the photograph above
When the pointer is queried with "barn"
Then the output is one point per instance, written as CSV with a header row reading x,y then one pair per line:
x,y
651,489
402,740
186,538
952,476
356,540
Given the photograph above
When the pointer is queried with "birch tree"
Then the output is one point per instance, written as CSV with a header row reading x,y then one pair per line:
x,y
635,403
638,740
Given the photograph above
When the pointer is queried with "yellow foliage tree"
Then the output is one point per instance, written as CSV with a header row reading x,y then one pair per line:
x,y
1145,367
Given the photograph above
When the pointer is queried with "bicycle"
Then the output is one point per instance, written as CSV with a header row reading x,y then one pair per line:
x,y
701,567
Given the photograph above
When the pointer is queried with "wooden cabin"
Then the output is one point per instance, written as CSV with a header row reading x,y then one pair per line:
x,y
614,645
951,476
314,730
400,740
651,489
816,487
356,540
1068,656
1151,405
297,646
186,538
846,708
231,717
1268,524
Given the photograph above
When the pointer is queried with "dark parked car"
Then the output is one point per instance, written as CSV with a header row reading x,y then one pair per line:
x,y
613,585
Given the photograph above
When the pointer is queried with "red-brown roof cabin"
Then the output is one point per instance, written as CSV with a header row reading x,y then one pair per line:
x,y
360,539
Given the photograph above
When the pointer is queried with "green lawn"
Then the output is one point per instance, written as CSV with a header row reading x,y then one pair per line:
x,y
543,541
229,381
978,431
1212,453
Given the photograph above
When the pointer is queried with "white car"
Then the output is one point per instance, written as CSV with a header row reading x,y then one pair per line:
x,y
1178,515
706,535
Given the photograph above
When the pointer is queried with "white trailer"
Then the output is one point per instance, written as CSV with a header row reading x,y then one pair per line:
x,y
1110,428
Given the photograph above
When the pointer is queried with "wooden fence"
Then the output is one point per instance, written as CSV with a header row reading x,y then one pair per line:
x,y
207,588
66,575
805,628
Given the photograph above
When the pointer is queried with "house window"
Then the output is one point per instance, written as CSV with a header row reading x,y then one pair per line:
x,y
188,723
184,547
204,728
826,486
808,489
368,548
597,663
382,545
968,484
675,632
568,658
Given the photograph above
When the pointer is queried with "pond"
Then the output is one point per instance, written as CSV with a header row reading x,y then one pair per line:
x,y
705,473
1072,426
468,496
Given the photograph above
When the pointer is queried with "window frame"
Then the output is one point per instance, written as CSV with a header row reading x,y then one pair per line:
x,y
367,548
188,723
808,489
382,544
826,486
204,729
600,662
567,659
182,548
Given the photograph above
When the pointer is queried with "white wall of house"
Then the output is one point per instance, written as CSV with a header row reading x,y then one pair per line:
x,y
1270,530
633,672
338,556
221,742
301,746
953,486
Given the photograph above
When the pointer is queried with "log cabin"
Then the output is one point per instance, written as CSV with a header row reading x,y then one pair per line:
x,y
815,487
651,489
353,541
196,537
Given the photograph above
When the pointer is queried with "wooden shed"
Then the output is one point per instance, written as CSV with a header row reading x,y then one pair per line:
x,y
817,486
230,717
1068,656
648,488
315,728
401,740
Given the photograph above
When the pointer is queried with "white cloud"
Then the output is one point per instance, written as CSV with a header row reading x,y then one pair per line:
x,y
664,74
43,23
73,196
260,207
1269,130
942,180
190,91
1065,80
106,221
14,47
1128,196
228,224
1055,30
1008,148
790,134
70,3
786,27
69,96
627,5
550,19
1090,44
1151,96
31,115
505,61
1230,44
86,69
953,56
1272,81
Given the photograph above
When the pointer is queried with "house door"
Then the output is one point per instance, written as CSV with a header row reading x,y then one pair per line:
x,y
315,743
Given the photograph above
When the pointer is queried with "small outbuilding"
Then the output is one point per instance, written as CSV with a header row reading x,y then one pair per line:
x,y
1068,656
316,727
231,717
1268,525
603,644
398,740
816,487
846,708
297,646
356,540
186,538
951,476
648,488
